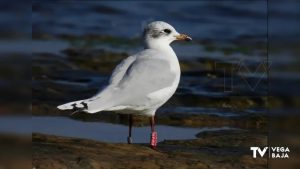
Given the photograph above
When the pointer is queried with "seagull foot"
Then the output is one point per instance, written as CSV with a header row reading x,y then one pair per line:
x,y
129,140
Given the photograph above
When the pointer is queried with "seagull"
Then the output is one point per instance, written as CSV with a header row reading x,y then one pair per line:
x,y
141,83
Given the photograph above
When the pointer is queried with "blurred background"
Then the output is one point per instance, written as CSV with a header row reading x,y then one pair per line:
x,y
239,83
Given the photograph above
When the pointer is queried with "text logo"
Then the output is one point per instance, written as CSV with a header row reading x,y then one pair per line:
x,y
257,149
273,152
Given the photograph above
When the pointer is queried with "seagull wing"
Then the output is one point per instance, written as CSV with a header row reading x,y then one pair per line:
x,y
105,93
120,70
133,81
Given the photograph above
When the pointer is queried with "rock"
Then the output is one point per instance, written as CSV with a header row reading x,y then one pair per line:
x,y
95,60
53,151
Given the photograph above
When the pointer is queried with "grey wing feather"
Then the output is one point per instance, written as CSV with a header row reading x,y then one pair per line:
x,y
102,100
120,70
143,77
132,81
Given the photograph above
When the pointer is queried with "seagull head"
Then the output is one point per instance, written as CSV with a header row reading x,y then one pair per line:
x,y
160,33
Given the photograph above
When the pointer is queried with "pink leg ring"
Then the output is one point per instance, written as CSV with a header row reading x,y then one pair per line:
x,y
153,141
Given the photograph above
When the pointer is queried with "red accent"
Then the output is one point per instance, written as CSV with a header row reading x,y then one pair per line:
x,y
153,141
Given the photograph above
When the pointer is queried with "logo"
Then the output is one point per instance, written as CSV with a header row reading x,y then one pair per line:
x,y
273,152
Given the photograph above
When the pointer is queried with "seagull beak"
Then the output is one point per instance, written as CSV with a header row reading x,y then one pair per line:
x,y
183,37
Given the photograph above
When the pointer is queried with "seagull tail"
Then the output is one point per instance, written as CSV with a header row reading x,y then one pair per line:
x,y
88,106
97,103
80,104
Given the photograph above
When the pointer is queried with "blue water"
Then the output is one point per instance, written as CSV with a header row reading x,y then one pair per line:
x,y
201,19
116,133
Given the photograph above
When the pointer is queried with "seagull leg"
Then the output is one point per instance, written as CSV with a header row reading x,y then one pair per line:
x,y
129,140
153,137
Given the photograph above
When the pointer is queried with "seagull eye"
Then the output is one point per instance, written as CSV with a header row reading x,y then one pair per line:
x,y
167,31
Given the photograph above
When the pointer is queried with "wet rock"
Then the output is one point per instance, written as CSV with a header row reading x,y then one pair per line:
x,y
107,10
49,151
97,59
76,153
44,64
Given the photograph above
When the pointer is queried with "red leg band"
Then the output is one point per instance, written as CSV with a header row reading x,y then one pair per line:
x,y
153,141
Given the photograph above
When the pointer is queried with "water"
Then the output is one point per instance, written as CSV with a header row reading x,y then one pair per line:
x,y
16,125
204,19
107,132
